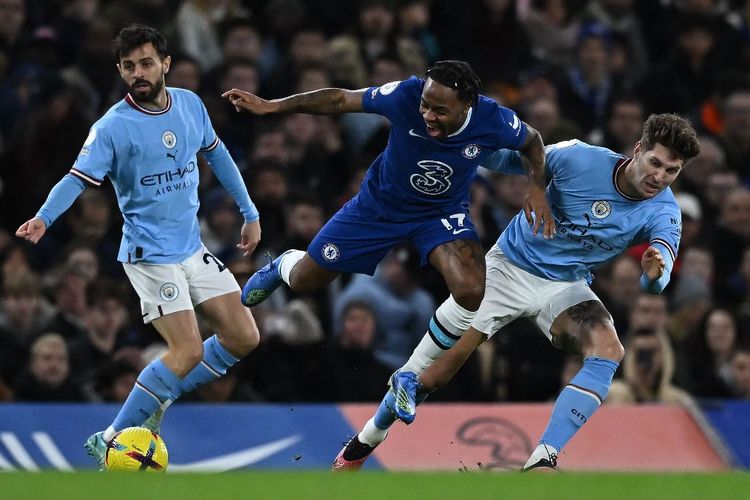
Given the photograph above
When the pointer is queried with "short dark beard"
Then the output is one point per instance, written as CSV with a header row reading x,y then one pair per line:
x,y
151,96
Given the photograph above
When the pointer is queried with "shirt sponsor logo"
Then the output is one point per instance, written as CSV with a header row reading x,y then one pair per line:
x,y
434,180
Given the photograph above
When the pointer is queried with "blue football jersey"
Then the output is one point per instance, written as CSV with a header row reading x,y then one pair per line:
x,y
419,177
150,157
595,220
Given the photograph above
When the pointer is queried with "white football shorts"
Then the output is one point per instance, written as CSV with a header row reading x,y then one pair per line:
x,y
511,293
168,288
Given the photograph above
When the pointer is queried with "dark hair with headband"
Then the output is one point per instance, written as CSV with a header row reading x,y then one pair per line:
x,y
459,76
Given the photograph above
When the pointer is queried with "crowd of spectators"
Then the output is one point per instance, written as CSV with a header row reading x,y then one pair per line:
x,y
70,326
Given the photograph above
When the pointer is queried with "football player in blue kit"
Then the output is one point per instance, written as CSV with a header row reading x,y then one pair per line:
x,y
417,189
603,203
147,144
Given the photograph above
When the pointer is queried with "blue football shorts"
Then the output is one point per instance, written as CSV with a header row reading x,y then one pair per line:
x,y
353,242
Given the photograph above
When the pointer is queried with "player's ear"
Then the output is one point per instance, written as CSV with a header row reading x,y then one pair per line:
x,y
167,62
636,149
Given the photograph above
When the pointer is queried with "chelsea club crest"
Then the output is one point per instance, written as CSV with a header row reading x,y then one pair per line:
x,y
601,209
471,151
330,252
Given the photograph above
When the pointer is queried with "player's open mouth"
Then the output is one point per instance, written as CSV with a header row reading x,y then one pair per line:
x,y
433,131
142,86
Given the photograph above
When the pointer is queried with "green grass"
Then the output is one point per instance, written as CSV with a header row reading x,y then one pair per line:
x,y
257,485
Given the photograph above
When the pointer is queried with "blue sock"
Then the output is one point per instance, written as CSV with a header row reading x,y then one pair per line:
x,y
579,400
215,363
154,386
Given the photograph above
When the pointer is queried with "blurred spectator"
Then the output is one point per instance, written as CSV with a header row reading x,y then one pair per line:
x,y
717,187
47,377
625,119
692,297
240,39
414,23
586,87
220,224
647,370
268,187
543,114
114,380
70,296
622,287
741,372
402,308
352,371
692,223
647,312
307,47
229,388
710,160
684,81
106,319
24,311
184,73
732,234
510,193
197,24
708,355
552,27
735,135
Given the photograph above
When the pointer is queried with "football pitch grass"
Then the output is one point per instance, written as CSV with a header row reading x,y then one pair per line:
x,y
254,485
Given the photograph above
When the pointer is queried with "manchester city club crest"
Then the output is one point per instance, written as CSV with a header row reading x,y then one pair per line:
x,y
330,252
601,209
169,139
471,151
169,292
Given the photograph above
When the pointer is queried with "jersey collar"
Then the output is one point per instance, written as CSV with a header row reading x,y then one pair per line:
x,y
129,99
620,165
466,123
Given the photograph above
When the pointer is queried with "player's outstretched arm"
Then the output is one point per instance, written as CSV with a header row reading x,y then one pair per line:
x,y
249,237
536,199
316,102
32,230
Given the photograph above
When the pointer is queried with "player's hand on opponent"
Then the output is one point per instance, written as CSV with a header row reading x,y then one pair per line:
x,y
652,263
32,230
536,201
250,102
249,237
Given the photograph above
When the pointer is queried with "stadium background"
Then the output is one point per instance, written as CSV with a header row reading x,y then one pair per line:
x,y
572,69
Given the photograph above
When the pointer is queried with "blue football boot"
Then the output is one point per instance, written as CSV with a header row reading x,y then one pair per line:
x,y
96,447
262,283
405,386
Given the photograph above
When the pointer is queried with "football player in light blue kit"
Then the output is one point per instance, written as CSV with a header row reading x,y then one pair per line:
x,y
442,129
146,144
602,203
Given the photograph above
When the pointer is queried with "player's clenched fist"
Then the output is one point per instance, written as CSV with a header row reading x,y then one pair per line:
x,y
652,263
32,230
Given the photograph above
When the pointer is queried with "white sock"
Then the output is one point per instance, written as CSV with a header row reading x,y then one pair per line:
x,y
452,317
371,435
289,259
424,354
109,433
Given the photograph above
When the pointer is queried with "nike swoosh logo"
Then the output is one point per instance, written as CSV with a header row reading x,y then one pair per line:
x,y
237,459
414,134
459,231
515,122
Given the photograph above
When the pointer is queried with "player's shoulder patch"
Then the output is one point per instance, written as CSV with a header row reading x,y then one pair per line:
x,y
385,89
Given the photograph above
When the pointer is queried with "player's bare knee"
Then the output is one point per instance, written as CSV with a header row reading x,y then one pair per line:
x,y
249,341
469,294
602,342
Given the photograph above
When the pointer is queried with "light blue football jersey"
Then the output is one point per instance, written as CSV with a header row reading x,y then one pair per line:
x,y
150,157
595,220
418,177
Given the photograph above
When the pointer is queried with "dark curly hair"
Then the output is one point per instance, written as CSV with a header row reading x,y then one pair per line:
x,y
133,36
459,76
673,132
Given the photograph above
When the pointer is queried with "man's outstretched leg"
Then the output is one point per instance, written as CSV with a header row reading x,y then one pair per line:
x,y
446,326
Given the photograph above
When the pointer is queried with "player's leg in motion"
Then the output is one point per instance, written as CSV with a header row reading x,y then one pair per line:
x,y
586,328
159,382
462,265
293,267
